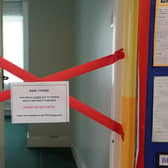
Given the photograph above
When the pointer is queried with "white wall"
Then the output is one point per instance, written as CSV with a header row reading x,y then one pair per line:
x,y
94,40
51,49
51,35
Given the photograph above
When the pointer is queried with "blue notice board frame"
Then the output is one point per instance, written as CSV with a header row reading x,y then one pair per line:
x,y
152,149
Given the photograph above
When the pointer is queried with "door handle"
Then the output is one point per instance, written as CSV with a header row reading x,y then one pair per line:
x,y
5,77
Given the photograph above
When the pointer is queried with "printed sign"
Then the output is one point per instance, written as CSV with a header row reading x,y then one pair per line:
x,y
40,102
164,1
161,34
163,160
160,106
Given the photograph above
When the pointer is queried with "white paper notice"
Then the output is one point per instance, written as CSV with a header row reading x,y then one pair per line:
x,y
160,110
161,34
40,102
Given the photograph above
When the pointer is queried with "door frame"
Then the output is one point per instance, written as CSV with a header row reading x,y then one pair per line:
x,y
116,91
1,104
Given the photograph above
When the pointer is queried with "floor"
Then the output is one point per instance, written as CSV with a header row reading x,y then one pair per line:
x,y
17,155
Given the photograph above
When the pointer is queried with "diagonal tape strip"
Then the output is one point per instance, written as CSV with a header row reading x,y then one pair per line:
x,y
65,75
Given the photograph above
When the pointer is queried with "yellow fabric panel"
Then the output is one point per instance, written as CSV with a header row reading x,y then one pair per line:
x,y
129,83
127,149
130,46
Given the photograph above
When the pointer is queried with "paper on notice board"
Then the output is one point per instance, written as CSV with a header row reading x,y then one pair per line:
x,y
40,102
161,34
160,110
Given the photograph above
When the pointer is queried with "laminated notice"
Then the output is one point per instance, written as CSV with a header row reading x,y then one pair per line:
x,y
160,113
40,102
161,34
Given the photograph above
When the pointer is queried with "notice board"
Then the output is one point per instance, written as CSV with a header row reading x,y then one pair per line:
x,y
156,129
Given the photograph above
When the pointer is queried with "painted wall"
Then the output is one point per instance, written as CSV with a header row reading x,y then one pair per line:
x,y
93,40
51,35
51,48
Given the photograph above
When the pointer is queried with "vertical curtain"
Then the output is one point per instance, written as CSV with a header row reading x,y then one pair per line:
x,y
129,83
126,22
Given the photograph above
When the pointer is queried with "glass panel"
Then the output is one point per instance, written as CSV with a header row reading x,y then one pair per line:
x,y
13,43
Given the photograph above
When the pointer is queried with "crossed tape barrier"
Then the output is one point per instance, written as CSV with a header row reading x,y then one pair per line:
x,y
65,75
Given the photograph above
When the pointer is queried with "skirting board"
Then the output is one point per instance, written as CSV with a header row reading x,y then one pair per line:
x,y
79,162
48,142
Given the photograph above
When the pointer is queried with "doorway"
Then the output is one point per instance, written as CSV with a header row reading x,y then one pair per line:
x,y
61,34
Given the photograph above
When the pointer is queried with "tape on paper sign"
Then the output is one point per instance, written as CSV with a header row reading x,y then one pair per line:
x,y
68,74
